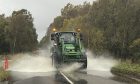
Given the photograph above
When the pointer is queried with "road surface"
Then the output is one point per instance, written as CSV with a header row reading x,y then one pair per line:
x,y
57,78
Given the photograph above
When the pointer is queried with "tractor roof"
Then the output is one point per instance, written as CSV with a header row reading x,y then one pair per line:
x,y
66,32
59,33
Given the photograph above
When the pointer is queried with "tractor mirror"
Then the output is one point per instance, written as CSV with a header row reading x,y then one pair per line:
x,y
52,36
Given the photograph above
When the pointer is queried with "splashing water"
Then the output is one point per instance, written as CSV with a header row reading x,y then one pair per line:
x,y
100,63
68,68
40,62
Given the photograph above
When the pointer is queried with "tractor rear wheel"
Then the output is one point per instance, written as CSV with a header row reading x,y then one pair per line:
x,y
84,64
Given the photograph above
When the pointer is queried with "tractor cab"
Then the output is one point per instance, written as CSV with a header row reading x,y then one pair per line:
x,y
67,37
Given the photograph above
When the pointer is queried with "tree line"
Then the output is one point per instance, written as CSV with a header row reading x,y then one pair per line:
x,y
17,32
107,26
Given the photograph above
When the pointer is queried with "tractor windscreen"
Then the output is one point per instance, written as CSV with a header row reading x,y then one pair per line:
x,y
68,37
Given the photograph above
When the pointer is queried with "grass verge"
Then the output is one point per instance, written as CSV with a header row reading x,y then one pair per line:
x,y
3,74
127,70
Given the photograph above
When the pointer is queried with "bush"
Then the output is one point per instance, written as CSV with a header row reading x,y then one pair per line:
x,y
128,69
3,74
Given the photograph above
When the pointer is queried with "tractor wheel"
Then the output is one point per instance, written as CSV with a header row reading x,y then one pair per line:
x,y
54,57
56,60
84,62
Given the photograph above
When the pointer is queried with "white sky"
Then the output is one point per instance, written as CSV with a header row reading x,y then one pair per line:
x,y
43,11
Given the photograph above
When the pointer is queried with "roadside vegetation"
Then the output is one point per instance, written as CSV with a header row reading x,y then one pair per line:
x,y
4,75
17,33
128,69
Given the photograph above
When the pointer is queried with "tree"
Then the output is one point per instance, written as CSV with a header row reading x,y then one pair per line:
x,y
22,33
4,44
69,11
134,49
58,22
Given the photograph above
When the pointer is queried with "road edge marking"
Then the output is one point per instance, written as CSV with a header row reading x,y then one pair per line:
x,y
66,78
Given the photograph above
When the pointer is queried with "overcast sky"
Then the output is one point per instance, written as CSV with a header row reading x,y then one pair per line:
x,y
43,11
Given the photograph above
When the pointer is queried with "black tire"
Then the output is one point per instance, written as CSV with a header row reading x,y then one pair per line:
x,y
84,62
52,59
56,60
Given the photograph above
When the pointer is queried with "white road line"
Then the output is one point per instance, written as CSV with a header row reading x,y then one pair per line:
x,y
66,78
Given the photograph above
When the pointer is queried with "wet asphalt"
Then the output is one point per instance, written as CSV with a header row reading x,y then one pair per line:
x,y
82,77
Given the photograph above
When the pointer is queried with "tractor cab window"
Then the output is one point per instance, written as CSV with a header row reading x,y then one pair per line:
x,y
67,37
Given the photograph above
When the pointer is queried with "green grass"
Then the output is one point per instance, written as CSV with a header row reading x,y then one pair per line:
x,y
3,74
128,69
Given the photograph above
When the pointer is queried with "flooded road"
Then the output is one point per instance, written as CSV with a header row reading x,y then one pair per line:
x,y
38,69
81,77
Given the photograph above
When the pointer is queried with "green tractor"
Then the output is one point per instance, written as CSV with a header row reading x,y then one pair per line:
x,y
68,48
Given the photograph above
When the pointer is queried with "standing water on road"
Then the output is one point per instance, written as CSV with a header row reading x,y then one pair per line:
x,y
30,65
41,64
100,65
